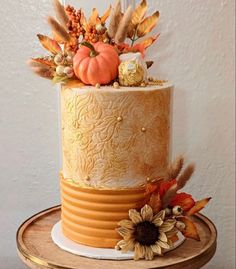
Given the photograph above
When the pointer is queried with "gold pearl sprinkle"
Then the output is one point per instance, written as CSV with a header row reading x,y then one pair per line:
x,y
119,118
148,179
143,129
143,84
87,178
116,85
98,86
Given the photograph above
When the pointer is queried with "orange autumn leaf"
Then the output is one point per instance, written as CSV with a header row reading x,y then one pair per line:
x,y
150,188
190,230
184,200
139,13
49,44
148,42
106,15
147,24
43,61
199,205
94,16
155,202
174,238
166,185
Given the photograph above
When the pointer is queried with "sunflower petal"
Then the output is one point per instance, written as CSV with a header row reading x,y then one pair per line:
x,y
148,253
158,222
156,249
163,237
124,232
135,216
147,213
167,226
160,215
172,233
126,224
163,244
138,251
120,244
129,246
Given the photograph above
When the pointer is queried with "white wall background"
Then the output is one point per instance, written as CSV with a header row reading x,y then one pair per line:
x,y
195,51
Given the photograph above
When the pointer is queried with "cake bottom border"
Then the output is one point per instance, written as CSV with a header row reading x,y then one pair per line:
x,y
96,253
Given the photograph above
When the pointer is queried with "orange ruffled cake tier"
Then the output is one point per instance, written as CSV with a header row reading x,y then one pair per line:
x,y
90,216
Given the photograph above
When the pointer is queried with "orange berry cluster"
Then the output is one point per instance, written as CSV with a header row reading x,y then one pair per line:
x,y
74,25
95,33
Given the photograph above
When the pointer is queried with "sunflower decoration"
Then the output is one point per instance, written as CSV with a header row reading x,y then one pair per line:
x,y
165,213
145,233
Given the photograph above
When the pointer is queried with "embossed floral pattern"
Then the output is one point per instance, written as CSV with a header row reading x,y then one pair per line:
x,y
102,138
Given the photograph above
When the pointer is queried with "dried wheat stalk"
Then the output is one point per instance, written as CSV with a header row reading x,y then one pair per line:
x,y
58,29
123,27
115,18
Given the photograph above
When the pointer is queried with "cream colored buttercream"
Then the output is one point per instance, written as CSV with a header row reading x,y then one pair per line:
x,y
115,138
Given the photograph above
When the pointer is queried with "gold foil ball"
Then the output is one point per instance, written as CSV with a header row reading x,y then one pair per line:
x,y
131,73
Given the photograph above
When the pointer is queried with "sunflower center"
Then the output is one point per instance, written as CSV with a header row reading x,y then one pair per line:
x,y
146,233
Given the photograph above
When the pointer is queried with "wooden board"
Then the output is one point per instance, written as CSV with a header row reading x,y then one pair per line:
x,y
37,251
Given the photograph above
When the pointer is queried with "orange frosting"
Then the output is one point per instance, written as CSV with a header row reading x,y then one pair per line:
x,y
90,216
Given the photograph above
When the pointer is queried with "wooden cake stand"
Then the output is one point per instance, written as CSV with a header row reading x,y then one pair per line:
x,y
37,251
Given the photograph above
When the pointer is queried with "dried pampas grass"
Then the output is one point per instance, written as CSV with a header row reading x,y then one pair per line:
x,y
175,167
169,195
115,19
184,177
182,180
40,69
123,28
58,29
60,13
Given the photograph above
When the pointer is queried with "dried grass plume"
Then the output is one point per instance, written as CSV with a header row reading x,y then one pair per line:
x,y
115,18
58,29
123,28
60,13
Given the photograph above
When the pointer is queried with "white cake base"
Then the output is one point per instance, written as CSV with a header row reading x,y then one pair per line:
x,y
96,253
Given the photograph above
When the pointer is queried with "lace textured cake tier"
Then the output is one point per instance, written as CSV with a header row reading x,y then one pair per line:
x,y
115,138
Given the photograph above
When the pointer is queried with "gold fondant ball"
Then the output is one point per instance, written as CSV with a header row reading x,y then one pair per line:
x,y
131,73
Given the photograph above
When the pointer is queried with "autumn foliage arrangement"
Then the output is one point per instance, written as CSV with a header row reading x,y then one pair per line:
x,y
154,226
80,49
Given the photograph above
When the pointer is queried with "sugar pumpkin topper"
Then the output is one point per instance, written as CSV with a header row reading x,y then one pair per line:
x,y
120,35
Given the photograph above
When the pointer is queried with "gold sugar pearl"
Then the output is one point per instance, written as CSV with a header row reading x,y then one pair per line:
x,y
119,118
143,129
87,178
148,179
143,84
116,85
98,86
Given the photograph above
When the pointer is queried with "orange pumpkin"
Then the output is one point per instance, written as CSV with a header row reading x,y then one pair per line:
x,y
96,63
